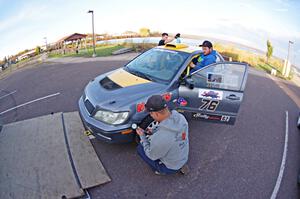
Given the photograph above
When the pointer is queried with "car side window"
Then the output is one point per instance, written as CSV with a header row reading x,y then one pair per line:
x,y
218,59
188,69
227,76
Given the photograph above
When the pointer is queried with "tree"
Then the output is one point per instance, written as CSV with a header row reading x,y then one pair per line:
x,y
22,52
38,50
5,60
269,50
155,34
145,32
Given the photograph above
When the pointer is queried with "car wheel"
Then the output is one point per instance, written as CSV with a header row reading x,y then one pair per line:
x,y
147,123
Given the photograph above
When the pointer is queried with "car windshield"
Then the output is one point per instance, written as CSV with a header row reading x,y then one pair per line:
x,y
157,64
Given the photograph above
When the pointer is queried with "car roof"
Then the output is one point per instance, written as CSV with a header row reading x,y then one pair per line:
x,y
181,47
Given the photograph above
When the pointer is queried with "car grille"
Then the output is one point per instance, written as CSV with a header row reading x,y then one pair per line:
x,y
89,106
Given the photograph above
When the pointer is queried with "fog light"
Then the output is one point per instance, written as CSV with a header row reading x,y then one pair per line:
x,y
134,126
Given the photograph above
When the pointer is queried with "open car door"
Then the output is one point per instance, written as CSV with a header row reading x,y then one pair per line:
x,y
215,92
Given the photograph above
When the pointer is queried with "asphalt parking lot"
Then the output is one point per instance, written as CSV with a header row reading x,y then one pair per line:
x,y
240,161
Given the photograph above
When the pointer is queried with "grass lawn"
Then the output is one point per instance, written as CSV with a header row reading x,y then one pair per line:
x,y
101,51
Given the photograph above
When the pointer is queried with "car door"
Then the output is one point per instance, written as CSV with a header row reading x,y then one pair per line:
x,y
215,92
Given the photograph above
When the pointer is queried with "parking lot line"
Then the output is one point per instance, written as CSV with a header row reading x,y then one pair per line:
x,y
30,102
284,155
8,94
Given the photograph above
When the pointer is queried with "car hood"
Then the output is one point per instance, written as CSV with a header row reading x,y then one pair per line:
x,y
123,92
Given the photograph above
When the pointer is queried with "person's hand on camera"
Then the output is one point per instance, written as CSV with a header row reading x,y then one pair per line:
x,y
149,131
140,131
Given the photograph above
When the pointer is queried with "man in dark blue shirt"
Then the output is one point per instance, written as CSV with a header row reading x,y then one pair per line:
x,y
166,39
209,56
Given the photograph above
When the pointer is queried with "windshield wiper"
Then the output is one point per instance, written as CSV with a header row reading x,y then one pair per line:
x,y
143,75
140,74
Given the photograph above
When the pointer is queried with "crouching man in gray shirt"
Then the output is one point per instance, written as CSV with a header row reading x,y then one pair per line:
x,y
166,150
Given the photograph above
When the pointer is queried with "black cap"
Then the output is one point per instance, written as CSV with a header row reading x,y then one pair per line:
x,y
177,35
155,103
206,44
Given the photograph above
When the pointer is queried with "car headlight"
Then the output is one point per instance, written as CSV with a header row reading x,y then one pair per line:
x,y
111,117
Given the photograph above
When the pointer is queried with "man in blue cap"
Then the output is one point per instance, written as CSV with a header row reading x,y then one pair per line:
x,y
166,150
209,56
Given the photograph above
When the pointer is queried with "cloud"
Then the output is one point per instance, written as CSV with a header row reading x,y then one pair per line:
x,y
283,2
246,5
9,22
282,6
25,14
281,9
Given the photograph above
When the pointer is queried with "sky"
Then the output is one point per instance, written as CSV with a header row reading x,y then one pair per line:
x,y
24,24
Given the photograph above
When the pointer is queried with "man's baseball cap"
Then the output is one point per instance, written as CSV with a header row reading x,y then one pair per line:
x,y
206,44
155,103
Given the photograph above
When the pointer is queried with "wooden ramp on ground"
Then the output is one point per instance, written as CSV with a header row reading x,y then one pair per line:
x,y
48,157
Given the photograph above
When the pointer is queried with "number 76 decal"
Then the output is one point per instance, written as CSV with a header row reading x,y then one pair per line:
x,y
209,105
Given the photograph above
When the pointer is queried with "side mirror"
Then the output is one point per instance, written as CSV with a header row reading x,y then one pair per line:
x,y
189,82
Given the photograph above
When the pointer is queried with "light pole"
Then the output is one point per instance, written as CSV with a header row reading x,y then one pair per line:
x,y
45,43
288,55
91,11
287,67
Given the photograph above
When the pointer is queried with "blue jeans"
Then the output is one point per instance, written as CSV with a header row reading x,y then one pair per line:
x,y
155,165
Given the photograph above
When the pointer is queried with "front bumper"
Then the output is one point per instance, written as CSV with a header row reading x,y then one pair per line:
x,y
102,131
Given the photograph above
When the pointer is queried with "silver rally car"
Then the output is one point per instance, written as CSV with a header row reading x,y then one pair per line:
x,y
113,103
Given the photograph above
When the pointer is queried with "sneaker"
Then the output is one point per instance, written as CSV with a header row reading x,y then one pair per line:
x,y
184,170
158,173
